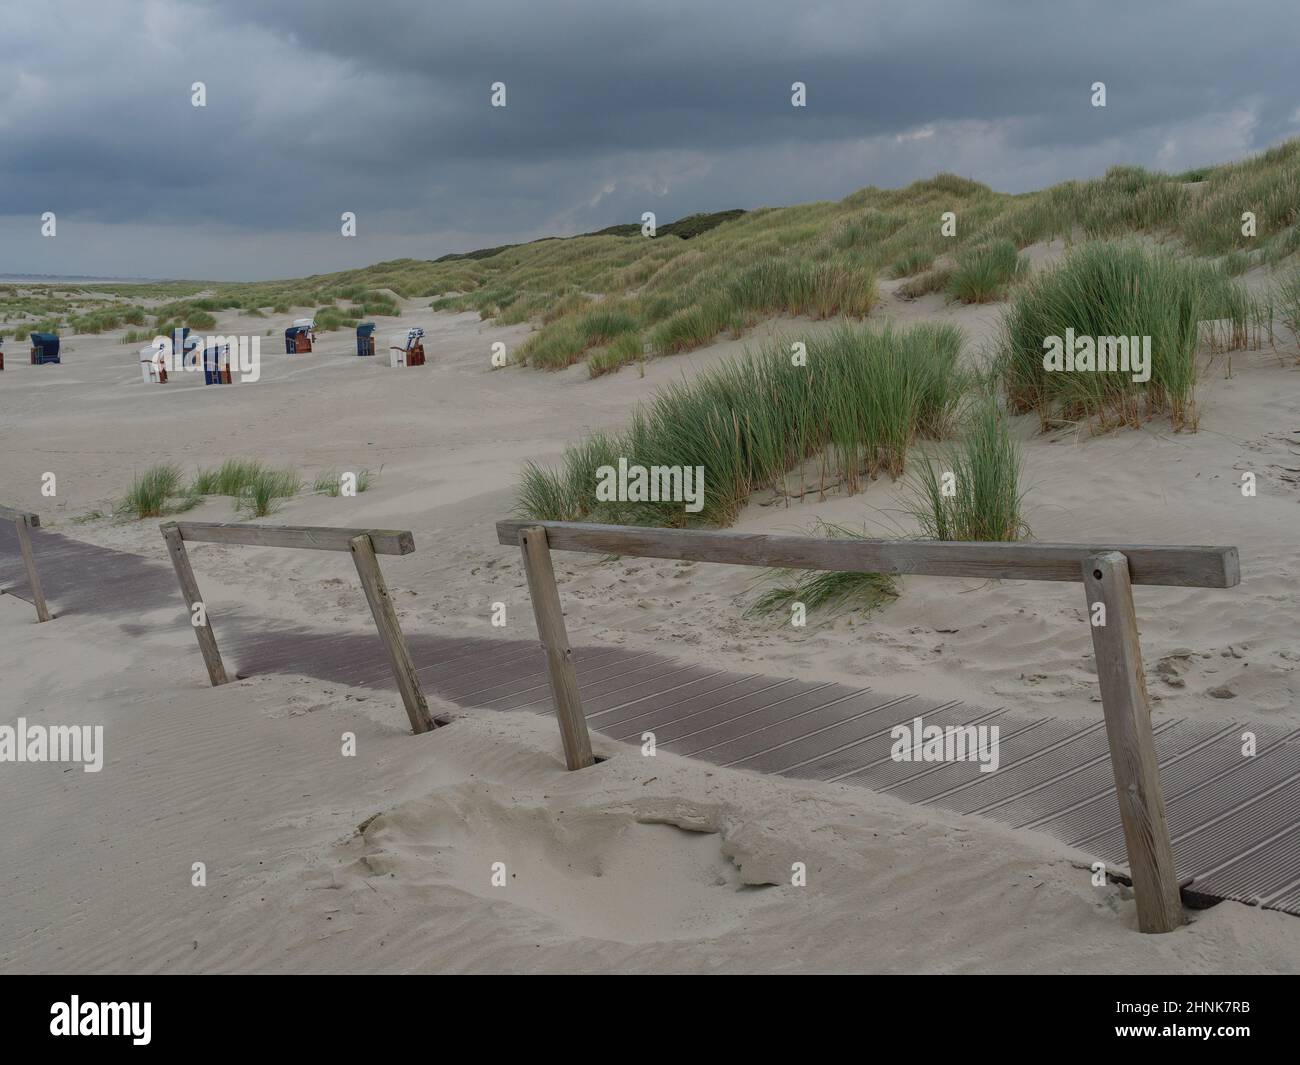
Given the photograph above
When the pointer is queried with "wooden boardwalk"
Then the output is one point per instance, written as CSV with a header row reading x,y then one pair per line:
x,y
1234,820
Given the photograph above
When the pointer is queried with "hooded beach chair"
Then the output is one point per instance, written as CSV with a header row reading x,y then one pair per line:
x,y
153,367
407,350
185,348
45,348
216,365
297,340
365,338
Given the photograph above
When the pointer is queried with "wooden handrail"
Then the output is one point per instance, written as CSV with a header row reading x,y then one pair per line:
x,y
24,521
1107,572
363,544
310,537
1188,567
11,514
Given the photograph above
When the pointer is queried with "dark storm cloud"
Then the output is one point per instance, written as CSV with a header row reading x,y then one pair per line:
x,y
316,107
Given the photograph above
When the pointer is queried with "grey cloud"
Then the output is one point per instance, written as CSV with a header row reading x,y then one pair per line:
x,y
324,106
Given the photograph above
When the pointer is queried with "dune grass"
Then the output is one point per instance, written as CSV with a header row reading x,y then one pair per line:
x,y
1287,298
197,320
1103,290
857,405
568,301
327,484
912,263
821,259
826,590
573,335
692,327
228,479
330,483
151,493
601,325
622,350
106,318
552,349
773,286
1268,185
983,273
970,490
329,319
252,485
265,489
933,280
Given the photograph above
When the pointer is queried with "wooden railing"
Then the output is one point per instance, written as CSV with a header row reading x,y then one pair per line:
x,y
24,521
364,545
1107,572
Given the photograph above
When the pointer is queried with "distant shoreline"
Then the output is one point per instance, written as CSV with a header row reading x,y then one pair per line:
x,y
60,279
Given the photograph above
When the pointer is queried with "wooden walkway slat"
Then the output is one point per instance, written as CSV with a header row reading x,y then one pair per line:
x,y
1089,748
668,699
702,711
630,721
812,725
1235,821
1022,740
1076,814
868,762
531,687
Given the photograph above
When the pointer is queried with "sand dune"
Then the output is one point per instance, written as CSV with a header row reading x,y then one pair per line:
x,y
632,865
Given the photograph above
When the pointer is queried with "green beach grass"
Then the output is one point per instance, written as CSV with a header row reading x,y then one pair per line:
x,y
863,397
1115,290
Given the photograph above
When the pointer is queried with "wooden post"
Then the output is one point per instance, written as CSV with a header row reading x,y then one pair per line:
x,y
390,632
1132,748
22,527
559,656
190,590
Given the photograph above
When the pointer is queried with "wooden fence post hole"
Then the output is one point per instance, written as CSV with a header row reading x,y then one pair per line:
x,y
190,590
22,528
559,656
1132,747
390,632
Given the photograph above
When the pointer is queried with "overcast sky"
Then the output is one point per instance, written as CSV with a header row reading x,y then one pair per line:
x,y
613,107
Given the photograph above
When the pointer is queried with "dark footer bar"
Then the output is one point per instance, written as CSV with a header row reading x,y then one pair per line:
x,y
338,1013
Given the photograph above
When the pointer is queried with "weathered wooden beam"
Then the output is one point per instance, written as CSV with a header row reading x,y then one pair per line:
x,y
1197,567
13,514
559,655
1132,748
22,526
190,590
390,632
318,538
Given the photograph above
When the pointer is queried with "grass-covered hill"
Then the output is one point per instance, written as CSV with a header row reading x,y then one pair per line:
x,y
685,228
620,295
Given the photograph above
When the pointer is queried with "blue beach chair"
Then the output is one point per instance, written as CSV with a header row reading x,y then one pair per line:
x,y
365,338
45,348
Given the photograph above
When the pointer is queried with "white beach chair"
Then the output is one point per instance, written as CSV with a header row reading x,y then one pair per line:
x,y
152,368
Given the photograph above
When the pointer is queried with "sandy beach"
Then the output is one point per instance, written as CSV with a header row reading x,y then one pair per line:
x,y
383,862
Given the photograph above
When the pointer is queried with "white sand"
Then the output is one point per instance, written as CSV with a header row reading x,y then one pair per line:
x,y
248,778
